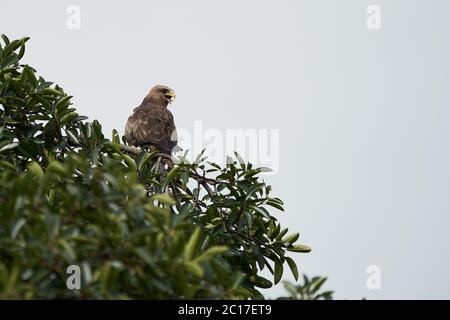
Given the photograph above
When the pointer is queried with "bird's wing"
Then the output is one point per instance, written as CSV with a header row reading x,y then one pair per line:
x,y
153,126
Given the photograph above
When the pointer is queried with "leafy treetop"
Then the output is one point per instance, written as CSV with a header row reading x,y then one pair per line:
x,y
136,227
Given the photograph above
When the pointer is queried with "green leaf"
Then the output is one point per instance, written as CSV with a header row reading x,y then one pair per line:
x,y
194,268
261,282
63,102
317,284
30,74
184,179
9,61
52,91
9,146
36,169
12,278
254,190
274,204
240,160
111,147
130,162
72,136
145,256
10,121
115,136
170,176
11,47
6,70
7,165
278,271
293,267
22,51
17,226
238,277
192,244
57,168
281,234
68,118
261,210
144,157
70,254
212,252
291,289
274,232
108,276
291,238
249,218
5,39
299,248
97,129
164,198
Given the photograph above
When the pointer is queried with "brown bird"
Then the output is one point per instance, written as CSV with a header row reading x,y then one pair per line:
x,y
151,124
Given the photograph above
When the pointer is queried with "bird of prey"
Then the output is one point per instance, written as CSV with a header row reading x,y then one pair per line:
x,y
151,124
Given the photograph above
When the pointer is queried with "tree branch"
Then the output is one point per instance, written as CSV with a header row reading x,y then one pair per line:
x,y
136,151
201,179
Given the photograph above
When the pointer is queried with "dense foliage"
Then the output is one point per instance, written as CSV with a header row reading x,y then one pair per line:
x,y
136,225
309,289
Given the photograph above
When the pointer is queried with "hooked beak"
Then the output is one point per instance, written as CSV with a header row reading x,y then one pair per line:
x,y
170,96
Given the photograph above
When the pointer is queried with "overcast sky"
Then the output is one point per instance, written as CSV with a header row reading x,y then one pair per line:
x,y
363,114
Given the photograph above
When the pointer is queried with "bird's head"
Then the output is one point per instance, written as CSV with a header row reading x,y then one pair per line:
x,y
161,95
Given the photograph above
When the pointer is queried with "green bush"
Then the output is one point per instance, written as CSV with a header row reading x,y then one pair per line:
x,y
136,227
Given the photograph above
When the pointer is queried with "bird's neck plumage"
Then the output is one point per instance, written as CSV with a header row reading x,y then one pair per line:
x,y
150,102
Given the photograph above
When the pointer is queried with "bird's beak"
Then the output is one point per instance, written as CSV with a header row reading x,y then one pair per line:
x,y
170,96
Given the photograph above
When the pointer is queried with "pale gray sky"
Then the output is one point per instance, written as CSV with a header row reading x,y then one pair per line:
x,y
363,114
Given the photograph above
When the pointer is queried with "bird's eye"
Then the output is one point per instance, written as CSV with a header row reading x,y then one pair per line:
x,y
164,90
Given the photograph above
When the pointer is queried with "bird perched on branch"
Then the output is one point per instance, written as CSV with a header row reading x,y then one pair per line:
x,y
151,124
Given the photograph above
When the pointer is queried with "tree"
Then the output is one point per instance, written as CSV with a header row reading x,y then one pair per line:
x,y
136,226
